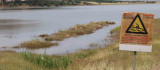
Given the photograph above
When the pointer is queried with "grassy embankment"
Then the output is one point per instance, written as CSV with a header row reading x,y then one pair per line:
x,y
108,58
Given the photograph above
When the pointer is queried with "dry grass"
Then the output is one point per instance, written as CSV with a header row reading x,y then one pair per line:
x,y
110,58
14,61
35,44
76,31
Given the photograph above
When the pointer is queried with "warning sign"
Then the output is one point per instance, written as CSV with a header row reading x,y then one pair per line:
x,y
137,26
136,32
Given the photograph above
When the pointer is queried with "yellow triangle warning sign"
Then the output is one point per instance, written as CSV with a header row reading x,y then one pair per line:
x,y
137,26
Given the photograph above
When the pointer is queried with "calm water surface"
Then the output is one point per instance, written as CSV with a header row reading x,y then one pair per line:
x,y
17,26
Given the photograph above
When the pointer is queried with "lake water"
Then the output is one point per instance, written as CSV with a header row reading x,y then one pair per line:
x,y
17,26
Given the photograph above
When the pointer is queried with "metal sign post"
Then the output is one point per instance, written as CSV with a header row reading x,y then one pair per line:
x,y
134,60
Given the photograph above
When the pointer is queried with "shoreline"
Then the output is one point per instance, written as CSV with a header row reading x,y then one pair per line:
x,y
25,7
51,7
77,30
89,59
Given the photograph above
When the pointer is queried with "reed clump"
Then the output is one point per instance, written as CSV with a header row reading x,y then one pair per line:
x,y
35,44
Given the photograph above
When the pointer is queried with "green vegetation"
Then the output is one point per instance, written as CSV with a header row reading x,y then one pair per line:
x,y
115,30
85,53
48,61
40,3
115,34
93,45
77,31
28,2
34,44
14,61
48,3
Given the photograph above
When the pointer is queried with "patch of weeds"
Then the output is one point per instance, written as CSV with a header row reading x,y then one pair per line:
x,y
48,61
85,53
81,55
34,44
93,45
116,30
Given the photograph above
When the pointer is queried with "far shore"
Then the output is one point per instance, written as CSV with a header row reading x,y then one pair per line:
x,y
25,7
51,7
